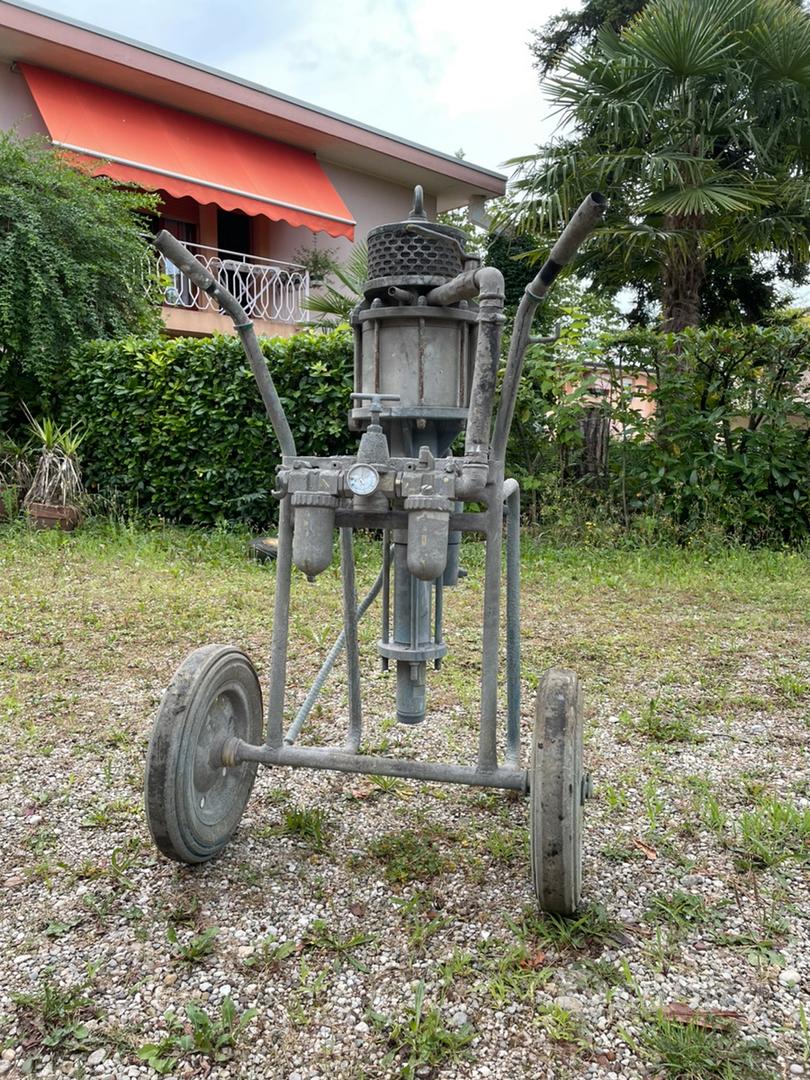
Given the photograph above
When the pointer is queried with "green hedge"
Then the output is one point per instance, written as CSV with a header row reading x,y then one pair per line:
x,y
176,428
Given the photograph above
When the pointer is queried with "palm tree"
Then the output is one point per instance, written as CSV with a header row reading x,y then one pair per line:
x,y
695,120
335,305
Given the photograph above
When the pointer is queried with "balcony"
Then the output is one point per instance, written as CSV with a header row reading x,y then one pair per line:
x,y
271,292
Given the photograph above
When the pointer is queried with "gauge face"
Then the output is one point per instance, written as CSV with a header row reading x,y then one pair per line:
x,y
362,479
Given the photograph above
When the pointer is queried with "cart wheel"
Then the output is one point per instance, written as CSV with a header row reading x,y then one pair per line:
x,y
558,791
193,802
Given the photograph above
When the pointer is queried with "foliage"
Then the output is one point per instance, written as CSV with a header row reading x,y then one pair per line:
x,y
569,29
212,1037
692,121
335,304
176,427
732,455
57,478
75,268
317,261
736,445
16,473
421,1042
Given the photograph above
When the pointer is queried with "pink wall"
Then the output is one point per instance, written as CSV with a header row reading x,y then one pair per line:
x,y
17,108
371,201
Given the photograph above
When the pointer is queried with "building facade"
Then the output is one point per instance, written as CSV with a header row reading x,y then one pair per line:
x,y
248,178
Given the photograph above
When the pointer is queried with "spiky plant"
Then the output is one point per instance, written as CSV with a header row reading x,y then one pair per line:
x,y
57,479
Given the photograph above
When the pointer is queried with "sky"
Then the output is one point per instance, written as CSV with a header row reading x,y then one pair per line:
x,y
444,73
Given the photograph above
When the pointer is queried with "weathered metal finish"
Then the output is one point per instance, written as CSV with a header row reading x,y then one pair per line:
x,y
294,730
427,349
312,757
281,627
511,494
352,647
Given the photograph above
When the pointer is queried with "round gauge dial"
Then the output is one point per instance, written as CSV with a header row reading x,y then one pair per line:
x,y
362,479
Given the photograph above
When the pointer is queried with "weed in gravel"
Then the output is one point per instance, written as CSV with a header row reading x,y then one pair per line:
x,y
185,911
615,798
213,1037
509,846
319,935
773,833
791,687
761,952
388,785
591,929
196,948
411,855
660,723
422,918
699,1051
307,994
307,825
681,911
561,1025
420,1043
54,1017
514,972
269,953
619,852
459,965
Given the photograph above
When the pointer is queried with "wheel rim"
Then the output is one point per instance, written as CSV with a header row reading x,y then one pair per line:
x,y
193,801
556,793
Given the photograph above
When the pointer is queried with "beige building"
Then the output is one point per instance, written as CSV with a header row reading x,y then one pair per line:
x,y
248,178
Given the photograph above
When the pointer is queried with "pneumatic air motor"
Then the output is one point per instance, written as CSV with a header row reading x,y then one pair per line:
x,y
427,340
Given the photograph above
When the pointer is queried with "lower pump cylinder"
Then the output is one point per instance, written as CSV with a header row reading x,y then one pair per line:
x,y
413,646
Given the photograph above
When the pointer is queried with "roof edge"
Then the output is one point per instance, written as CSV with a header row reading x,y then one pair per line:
x,y
248,84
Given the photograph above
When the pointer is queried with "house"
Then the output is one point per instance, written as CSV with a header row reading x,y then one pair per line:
x,y
248,177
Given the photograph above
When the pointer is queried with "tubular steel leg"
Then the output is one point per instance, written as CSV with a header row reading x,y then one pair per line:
x,y
294,730
281,627
487,750
352,645
512,492
438,618
386,596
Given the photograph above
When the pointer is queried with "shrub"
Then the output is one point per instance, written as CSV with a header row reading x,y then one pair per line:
x,y
726,451
75,267
176,427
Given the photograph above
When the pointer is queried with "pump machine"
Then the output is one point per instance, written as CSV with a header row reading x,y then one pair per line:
x,y
427,340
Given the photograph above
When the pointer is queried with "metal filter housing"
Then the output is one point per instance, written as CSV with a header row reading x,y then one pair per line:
x,y
416,253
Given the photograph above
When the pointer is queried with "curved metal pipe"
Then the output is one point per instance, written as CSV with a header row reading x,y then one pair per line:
x,y
587,216
193,269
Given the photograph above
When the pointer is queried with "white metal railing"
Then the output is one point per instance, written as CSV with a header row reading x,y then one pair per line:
x,y
265,289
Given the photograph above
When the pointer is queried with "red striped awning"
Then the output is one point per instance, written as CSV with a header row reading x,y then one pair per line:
x,y
155,146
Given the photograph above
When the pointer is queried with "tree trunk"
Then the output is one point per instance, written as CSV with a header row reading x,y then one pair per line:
x,y
682,279
683,274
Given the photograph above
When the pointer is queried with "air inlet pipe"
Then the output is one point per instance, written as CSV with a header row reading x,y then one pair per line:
x,y
586,218
169,246
487,284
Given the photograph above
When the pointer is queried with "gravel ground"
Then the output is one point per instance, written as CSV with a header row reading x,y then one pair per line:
x,y
332,922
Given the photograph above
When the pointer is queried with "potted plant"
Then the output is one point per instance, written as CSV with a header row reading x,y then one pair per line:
x,y
53,499
15,476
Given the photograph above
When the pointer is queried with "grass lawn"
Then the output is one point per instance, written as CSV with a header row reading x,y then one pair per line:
x,y
386,927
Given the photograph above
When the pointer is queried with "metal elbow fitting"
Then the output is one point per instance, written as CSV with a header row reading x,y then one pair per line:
x,y
472,481
313,526
428,535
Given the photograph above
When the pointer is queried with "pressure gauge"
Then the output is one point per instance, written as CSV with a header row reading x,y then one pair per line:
x,y
362,479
